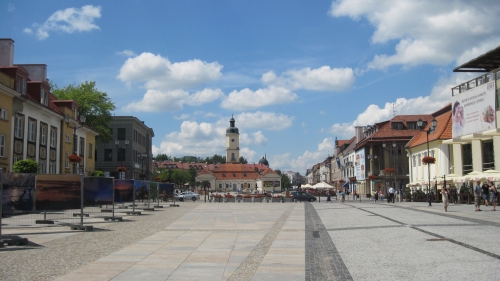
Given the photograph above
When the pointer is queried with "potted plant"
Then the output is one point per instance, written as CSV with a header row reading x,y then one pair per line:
x,y
120,169
247,198
389,171
372,177
276,199
428,160
230,198
74,158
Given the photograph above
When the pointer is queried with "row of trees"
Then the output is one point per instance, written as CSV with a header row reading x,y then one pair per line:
x,y
187,159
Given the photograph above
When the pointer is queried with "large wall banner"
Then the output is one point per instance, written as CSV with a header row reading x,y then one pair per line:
x,y
359,164
473,111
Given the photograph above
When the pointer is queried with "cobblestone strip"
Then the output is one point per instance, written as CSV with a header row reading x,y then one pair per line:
x,y
61,256
247,268
440,236
323,261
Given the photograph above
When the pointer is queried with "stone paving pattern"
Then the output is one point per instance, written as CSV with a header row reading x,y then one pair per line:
x,y
268,241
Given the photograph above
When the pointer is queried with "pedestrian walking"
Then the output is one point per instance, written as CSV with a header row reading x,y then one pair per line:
x,y
493,196
486,193
444,197
477,196
342,198
328,197
391,195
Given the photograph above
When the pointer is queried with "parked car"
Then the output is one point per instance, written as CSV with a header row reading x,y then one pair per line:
x,y
302,196
187,195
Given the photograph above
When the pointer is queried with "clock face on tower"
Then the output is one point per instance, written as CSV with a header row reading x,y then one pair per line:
x,y
232,140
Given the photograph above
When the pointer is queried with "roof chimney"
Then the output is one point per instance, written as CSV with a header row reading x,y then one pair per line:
x,y
6,52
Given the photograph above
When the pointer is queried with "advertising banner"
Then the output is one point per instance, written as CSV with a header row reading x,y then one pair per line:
x,y
268,183
57,192
124,191
97,191
359,165
473,111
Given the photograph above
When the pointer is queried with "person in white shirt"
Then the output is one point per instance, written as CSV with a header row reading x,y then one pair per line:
x,y
391,195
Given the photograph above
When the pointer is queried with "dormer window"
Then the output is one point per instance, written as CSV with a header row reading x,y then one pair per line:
x,y
397,125
21,85
44,98
234,175
223,175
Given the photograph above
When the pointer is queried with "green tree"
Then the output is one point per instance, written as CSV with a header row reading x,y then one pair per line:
x,y
243,160
95,105
162,157
98,173
285,181
25,166
180,177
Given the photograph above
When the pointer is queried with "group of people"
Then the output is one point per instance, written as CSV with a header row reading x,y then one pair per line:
x,y
488,192
393,195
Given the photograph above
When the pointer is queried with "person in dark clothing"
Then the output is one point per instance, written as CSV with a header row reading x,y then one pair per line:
x,y
486,193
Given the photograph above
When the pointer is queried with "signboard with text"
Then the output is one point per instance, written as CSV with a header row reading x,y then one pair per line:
x,y
473,111
359,164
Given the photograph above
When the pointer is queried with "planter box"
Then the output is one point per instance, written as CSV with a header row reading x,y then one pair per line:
x,y
238,199
230,200
288,200
247,200
276,200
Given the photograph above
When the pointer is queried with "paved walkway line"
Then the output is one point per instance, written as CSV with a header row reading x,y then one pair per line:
x,y
323,261
247,268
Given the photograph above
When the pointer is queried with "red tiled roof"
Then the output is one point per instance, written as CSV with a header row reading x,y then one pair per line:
x,y
442,131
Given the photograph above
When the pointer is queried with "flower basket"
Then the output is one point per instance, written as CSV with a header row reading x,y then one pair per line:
x,y
258,196
247,196
121,169
229,196
389,171
74,158
428,160
353,179
372,177
157,178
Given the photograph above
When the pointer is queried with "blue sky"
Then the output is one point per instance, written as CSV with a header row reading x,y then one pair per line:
x,y
295,74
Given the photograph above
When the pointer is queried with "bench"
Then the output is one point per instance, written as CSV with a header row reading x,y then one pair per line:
x,y
44,222
79,215
113,218
81,227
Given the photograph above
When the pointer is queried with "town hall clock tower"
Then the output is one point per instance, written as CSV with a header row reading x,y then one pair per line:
x,y
232,143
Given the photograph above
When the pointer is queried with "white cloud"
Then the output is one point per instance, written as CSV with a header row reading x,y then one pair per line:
x,y
11,7
69,20
127,53
182,117
247,99
438,98
309,158
158,101
264,120
429,31
318,79
159,73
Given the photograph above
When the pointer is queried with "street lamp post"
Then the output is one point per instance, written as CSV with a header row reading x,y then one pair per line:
x,y
122,154
420,124
75,138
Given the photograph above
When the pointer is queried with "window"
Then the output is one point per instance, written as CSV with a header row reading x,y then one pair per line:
x,y
488,155
108,154
42,169
52,168
21,85
419,159
44,98
17,158
31,130
412,125
3,114
67,160
53,135
2,146
414,160
432,153
82,147
68,139
121,134
90,150
43,134
397,125
467,158
18,126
